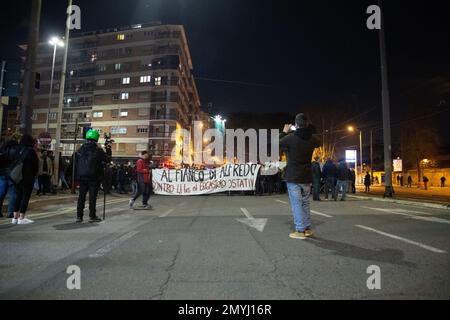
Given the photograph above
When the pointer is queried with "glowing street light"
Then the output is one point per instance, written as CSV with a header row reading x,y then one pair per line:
x,y
55,42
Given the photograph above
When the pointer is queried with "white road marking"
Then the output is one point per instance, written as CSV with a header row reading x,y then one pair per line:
x,y
312,211
401,212
321,214
247,214
42,215
418,244
110,246
165,214
257,224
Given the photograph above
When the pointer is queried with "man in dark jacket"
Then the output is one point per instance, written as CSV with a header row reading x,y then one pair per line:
x,y
342,179
8,154
299,146
353,179
316,176
329,174
91,160
367,182
121,179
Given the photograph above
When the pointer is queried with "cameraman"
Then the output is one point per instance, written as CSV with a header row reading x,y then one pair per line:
x,y
91,160
299,145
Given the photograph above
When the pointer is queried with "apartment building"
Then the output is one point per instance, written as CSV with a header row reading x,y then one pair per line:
x,y
133,82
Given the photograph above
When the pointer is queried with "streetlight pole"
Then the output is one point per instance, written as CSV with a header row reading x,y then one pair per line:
x,y
386,111
61,94
30,67
55,42
360,157
371,155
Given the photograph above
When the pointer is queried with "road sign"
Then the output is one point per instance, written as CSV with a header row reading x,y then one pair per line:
x,y
398,165
45,138
350,156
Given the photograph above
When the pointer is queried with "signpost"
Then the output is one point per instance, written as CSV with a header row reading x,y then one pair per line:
x,y
45,138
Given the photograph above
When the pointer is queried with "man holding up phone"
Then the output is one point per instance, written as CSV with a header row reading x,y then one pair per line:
x,y
299,145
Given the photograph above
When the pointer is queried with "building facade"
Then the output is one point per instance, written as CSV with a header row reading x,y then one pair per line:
x,y
134,83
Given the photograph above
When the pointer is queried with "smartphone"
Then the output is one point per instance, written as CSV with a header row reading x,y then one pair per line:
x,y
293,128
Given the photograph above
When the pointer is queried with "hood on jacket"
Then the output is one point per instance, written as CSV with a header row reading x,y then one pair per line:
x,y
304,133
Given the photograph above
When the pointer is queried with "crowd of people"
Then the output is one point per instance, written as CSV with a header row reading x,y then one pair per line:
x,y
19,166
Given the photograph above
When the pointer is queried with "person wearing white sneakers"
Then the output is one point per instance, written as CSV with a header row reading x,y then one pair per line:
x,y
25,187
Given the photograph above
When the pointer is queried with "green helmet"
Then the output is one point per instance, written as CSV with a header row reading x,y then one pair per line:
x,y
92,135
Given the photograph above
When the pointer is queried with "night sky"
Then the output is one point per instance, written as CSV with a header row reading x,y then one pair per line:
x,y
285,55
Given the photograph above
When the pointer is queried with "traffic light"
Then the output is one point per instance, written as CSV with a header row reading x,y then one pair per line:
x,y
37,81
85,130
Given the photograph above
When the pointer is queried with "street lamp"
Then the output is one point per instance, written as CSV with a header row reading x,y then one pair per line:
x,y
352,129
55,42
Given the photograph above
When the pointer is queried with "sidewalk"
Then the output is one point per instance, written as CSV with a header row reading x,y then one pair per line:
x,y
433,197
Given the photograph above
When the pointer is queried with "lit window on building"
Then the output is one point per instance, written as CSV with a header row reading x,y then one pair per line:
x,y
121,37
52,115
141,147
145,79
142,129
157,81
118,130
97,114
124,96
118,66
100,83
124,113
126,80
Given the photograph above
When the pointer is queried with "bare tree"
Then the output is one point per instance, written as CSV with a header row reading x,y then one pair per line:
x,y
418,141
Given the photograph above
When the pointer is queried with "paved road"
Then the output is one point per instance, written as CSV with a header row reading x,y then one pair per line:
x,y
219,247
432,195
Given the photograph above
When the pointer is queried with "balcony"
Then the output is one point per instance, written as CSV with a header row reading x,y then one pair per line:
x,y
80,120
78,104
160,134
163,117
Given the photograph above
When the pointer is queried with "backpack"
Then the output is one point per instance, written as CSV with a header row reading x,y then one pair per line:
x,y
86,165
15,171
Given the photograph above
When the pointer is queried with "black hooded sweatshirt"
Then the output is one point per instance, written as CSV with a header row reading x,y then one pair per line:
x,y
299,146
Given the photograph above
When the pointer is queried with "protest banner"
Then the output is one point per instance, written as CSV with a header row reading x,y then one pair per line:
x,y
190,181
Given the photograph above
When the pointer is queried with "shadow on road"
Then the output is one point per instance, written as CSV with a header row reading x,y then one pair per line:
x,y
393,256
74,226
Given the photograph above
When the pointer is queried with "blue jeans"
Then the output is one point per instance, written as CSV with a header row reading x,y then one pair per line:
x,y
341,185
329,186
299,197
7,186
144,191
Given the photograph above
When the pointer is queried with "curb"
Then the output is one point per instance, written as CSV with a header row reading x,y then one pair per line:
x,y
407,202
